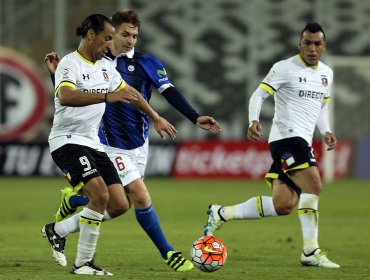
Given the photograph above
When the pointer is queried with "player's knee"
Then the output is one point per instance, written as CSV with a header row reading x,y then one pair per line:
x,y
118,209
314,186
317,186
142,202
116,212
283,208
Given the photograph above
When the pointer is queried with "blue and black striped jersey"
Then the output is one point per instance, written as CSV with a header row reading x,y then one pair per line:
x,y
123,126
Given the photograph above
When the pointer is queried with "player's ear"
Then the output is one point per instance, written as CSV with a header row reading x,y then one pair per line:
x,y
90,34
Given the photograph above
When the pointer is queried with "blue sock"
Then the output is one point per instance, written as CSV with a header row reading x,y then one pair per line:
x,y
148,220
78,200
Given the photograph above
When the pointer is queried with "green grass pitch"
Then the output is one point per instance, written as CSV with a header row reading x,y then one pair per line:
x,y
257,249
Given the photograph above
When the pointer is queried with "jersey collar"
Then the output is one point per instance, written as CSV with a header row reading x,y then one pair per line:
x,y
304,62
86,60
129,54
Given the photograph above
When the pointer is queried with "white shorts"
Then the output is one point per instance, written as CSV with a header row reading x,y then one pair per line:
x,y
130,164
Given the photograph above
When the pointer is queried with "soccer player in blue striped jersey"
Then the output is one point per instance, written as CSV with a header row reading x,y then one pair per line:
x,y
124,131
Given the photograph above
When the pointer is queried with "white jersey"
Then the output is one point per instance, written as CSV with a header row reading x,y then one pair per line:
x,y
79,125
299,92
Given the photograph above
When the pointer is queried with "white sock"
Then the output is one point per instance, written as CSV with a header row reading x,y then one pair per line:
x,y
254,208
67,226
89,232
72,224
309,217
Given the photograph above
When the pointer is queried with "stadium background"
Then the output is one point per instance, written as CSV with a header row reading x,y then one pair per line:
x,y
216,52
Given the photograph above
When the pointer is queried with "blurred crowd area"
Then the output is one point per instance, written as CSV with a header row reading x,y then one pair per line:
x,y
216,51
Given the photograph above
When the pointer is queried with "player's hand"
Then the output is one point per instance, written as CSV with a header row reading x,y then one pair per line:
x,y
254,131
208,123
330,140
126,95
162,125
51,61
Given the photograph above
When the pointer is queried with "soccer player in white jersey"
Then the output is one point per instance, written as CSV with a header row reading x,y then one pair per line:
x,y
125,134
84,83
301,89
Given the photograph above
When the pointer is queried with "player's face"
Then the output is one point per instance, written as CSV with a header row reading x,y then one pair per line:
x,y
125,37
311,47
102,42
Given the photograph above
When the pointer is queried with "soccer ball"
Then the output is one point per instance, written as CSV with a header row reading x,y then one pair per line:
x,y
208,253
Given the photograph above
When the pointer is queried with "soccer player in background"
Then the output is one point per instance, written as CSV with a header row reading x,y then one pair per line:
x,y
84,83
124,132
301,89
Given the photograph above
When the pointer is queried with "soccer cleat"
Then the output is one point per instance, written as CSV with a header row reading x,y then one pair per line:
x,y
57,244
65,208
317,258
215,220
177,262
90,269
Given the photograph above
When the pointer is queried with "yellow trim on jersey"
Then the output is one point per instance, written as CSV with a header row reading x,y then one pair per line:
x,y
270,90
121,86
326,99
65,84
84,59
305,63
89,222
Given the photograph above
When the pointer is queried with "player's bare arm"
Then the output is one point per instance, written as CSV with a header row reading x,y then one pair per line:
x,y
254,132
208,123
68,96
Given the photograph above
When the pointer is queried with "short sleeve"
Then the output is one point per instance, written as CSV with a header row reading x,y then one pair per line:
x,y
66,74
116,82
275,79
156,72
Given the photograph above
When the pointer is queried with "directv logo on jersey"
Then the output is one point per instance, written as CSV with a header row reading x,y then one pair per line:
x,y
97,90
311,94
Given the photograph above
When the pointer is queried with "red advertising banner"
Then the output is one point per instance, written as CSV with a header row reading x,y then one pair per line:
x,y
196,159
242,159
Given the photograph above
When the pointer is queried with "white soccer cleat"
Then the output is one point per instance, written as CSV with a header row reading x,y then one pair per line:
x,y
215,220
57,244
318,258
90,269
